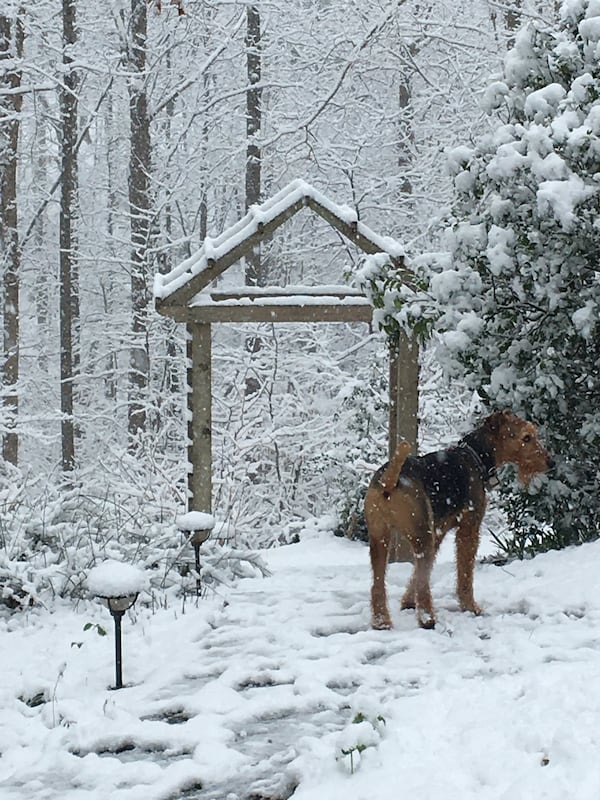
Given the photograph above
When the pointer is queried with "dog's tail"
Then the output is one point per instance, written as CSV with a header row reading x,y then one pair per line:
x,y
389,479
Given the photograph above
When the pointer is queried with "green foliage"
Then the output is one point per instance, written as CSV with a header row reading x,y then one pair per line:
x,y
352,523
515,311
363,732
349,751
400,297
95,626
531,241
35,700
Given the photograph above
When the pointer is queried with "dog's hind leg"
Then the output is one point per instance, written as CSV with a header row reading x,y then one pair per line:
x,y
418,527
409,599
379,543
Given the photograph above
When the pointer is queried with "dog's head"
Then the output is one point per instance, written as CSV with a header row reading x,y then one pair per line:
x,y
515,441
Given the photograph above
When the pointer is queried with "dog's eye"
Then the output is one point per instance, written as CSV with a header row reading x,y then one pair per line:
x,y
527,438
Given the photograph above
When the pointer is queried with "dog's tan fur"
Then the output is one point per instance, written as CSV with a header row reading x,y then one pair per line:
x,y
398,501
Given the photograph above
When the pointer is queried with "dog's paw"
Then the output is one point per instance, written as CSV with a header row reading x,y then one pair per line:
x,y
472,607
382,623
426,620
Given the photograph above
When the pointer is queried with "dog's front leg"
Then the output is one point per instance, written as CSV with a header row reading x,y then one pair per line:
x,y
467,542
424,557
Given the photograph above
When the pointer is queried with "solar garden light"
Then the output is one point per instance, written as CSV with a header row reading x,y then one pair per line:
x,y
196,525
118,586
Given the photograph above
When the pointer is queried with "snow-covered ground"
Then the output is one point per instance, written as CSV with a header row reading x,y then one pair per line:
x,y
279,684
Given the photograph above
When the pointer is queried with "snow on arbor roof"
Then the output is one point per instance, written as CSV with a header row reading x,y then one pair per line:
x,y
279,295
218,253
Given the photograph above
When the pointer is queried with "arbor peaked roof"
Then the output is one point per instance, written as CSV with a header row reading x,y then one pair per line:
x,y
179,286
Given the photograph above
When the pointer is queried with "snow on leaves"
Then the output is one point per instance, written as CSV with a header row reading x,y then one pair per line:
x,y
515,308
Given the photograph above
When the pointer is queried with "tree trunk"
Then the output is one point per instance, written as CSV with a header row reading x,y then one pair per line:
x,y
254,270
406,135
513,21
11,51
69,294
139,207
41,180
254,266
171,375
106,284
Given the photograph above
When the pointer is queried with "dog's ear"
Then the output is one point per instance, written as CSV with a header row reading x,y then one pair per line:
x,y
494,422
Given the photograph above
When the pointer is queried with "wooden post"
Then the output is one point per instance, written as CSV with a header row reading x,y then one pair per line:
x,y
404,393
199,410
404,408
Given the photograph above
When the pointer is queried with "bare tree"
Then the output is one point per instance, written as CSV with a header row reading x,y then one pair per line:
x,y
139,210
69,294
511,16
512,20
254,270
11,52
255,273
40,166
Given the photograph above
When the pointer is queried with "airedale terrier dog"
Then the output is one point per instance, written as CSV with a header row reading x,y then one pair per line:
x,y
422,498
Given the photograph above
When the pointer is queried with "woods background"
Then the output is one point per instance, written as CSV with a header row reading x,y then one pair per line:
x,y
130,132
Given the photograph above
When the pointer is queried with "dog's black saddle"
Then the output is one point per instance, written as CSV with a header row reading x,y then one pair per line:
x,y
447,476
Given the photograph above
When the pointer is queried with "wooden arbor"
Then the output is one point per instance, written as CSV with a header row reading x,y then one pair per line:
x,y
185,295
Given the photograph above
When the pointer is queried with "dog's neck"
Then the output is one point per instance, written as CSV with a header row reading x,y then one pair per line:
x,y
478,444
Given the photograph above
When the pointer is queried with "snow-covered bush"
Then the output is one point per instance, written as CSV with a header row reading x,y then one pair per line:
x,y
291,450
52,535
516,308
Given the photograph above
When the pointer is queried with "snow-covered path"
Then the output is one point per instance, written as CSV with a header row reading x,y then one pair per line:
x,y
285,688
